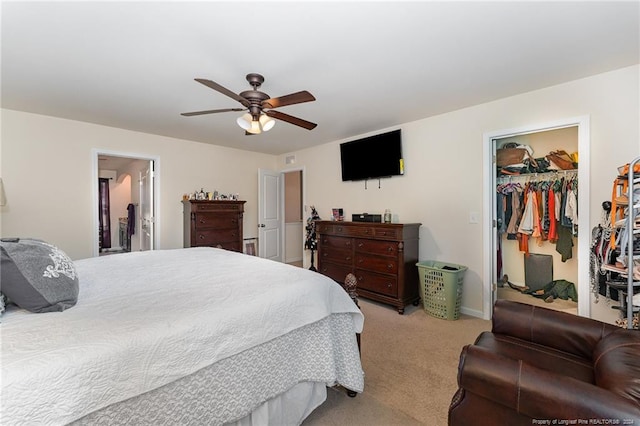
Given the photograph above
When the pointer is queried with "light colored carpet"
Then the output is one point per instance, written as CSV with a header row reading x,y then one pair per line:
x,y
410,363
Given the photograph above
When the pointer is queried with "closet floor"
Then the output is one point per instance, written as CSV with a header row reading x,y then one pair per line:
x,y
508,293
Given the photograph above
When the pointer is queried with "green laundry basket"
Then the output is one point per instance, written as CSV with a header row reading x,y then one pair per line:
x,y
441,288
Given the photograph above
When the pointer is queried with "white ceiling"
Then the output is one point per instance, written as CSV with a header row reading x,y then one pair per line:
x,y
370,65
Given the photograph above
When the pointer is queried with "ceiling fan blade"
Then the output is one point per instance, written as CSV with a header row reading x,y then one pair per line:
x,y
215,86
293,98
211,111
291,119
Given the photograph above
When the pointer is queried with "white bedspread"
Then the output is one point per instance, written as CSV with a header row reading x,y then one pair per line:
x,y
146,319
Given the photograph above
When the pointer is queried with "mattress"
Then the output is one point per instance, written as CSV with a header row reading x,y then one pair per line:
x,y
145,320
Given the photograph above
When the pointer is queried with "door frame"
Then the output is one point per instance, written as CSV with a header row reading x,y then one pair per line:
x,y
303,180
281,202
95,153
489,233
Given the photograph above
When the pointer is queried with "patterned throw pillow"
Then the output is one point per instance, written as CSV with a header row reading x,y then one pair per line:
x,y
37,276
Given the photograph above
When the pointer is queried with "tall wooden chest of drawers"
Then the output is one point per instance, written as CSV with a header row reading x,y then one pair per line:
x,y
382,256
213,223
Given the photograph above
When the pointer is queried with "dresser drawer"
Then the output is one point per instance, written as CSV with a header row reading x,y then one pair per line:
x,y
330,241
386,265
220,207
383,248
337,255
211,237
216,220
390,233
324,229
336,271
378,283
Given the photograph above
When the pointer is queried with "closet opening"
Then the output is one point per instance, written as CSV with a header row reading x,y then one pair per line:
x,y
537,219
525,263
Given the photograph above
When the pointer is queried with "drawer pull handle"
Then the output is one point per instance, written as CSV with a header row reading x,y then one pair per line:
x,y
347,258
360,260
390,249
384,233
360,244
390,266
360,278
202,221
201,237
389,285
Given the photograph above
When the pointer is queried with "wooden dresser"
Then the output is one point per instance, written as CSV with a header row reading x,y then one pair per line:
x,y
213,223
382,256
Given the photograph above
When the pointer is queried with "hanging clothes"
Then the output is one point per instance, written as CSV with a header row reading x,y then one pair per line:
x,y
131,220
546,209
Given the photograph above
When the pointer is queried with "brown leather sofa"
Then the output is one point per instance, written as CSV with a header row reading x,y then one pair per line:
x,y
539,366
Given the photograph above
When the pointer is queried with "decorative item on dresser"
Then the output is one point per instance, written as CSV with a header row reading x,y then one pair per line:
x,y
216,223
382,256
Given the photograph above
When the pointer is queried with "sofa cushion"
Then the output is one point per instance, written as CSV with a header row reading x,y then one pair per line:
x,y
617,363
539,356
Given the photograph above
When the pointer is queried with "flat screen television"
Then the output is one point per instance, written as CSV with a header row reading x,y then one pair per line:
x,y
372,157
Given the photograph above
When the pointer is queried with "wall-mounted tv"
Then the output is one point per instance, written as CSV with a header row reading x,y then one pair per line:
x,y
372,157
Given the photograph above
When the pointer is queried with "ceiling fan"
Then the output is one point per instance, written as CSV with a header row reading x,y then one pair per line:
x,y
259,105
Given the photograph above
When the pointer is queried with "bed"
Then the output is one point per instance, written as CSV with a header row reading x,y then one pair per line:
x,y
185,336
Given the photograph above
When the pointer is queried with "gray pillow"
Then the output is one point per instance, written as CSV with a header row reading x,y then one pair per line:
x,y
37,276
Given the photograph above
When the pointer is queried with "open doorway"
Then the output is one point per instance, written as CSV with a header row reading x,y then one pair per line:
x,y
541,269
490,221
125,202
281,198
293,220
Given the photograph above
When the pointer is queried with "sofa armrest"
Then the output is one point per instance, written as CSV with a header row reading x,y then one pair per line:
x,y
559,330
536,393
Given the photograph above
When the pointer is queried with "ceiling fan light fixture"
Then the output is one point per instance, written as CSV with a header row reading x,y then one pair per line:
x,y
254,128
245,121
266,122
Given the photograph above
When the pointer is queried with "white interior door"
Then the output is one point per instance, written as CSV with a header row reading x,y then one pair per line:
x,y
146,214
270,215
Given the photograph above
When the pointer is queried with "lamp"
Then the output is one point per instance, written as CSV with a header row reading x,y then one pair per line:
x,y
255,127
244,121
266,122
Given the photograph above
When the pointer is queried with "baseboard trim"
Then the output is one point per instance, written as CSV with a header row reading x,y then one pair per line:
x,y
471,312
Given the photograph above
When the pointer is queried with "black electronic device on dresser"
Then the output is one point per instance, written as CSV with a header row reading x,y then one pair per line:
x,y
382,256
216,223
366,217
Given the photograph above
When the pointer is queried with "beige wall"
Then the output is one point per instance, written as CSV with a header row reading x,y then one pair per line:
x,y
443,180
47,173
46,169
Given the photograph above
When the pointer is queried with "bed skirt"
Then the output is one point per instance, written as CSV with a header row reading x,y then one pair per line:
x,y
286,376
